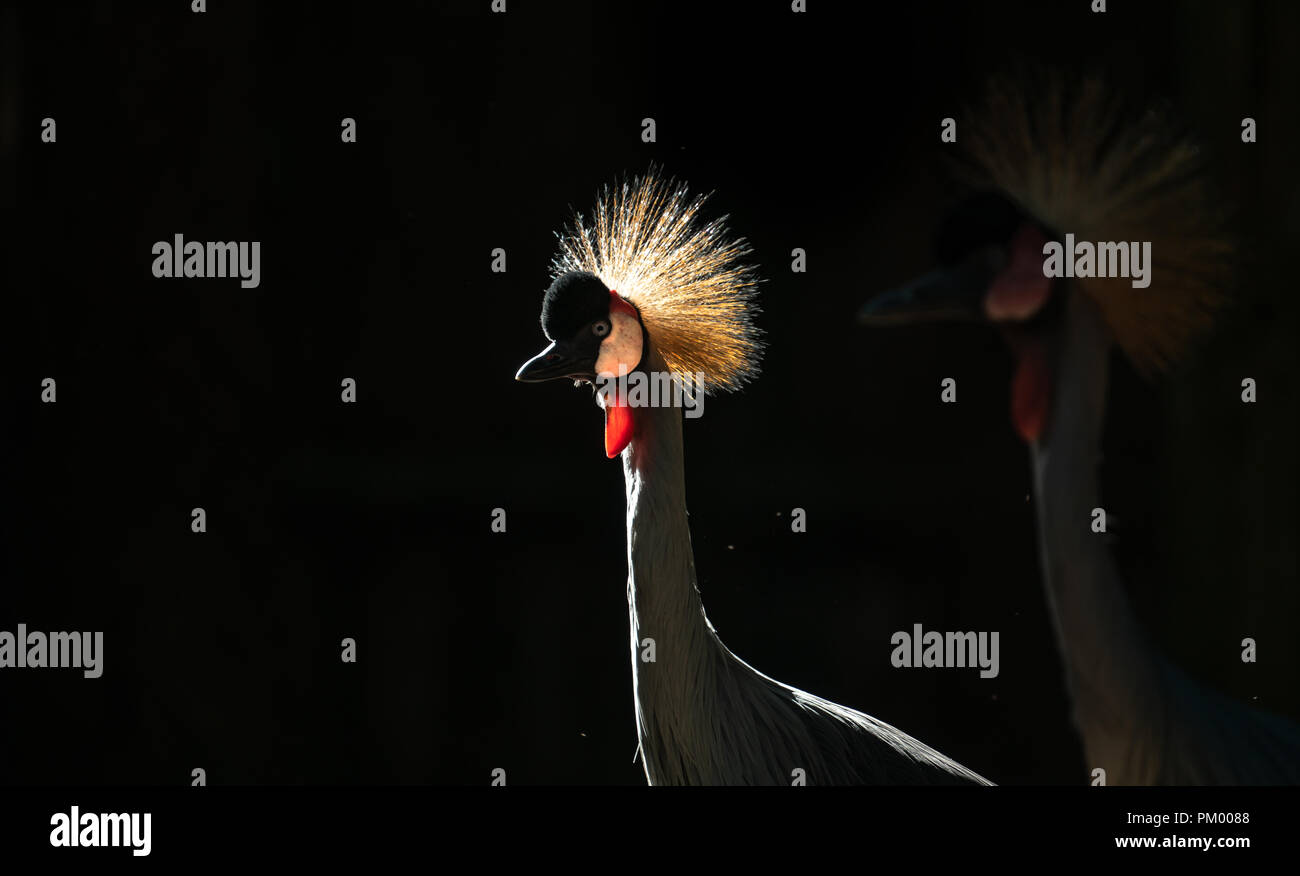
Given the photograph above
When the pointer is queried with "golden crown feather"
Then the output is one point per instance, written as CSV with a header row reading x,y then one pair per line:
x,y
687,278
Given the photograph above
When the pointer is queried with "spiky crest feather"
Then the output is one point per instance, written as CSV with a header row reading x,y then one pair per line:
x,y
695,295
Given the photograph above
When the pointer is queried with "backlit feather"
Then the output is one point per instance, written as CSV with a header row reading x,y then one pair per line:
x,y
688,279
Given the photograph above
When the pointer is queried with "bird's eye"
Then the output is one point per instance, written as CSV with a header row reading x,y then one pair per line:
x,y
600,328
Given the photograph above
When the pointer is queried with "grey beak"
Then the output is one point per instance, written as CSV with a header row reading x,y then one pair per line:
x,y
944,295
556,362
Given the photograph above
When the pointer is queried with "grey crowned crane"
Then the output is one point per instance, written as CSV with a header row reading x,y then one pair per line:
x,y
1071,162
646,291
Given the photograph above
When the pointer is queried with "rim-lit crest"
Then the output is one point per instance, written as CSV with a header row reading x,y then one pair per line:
x,y
695,294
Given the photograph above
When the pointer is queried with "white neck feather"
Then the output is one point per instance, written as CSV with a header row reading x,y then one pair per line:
x,y
1109,667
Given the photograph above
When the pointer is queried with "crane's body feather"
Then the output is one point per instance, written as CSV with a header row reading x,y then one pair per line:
x,y
703,715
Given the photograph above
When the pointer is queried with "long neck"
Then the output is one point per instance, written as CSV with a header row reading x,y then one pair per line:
x,y
1109,667
667,617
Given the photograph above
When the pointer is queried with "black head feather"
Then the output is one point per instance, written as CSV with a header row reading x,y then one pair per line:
x,y
984,219
574,300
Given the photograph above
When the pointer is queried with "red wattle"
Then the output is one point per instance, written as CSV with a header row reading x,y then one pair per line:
x,y
618,425
1031,390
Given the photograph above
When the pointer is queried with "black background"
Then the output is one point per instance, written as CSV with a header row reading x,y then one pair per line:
x,y
475,131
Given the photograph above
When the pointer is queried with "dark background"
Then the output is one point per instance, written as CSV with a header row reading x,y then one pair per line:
x,y
481,650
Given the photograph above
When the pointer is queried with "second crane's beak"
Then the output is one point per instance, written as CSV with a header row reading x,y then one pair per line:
x,y
948,294
557,362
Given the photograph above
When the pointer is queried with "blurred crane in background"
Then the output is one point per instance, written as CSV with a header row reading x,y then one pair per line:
x,y
1070,160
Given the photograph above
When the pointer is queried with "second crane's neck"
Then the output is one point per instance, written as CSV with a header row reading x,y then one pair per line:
x,y
1096,630
676,655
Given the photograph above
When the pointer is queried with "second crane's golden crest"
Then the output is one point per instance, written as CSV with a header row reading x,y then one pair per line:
x,y
1071,158
688,280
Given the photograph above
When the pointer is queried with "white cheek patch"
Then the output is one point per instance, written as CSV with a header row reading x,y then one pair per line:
x,y
621,351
